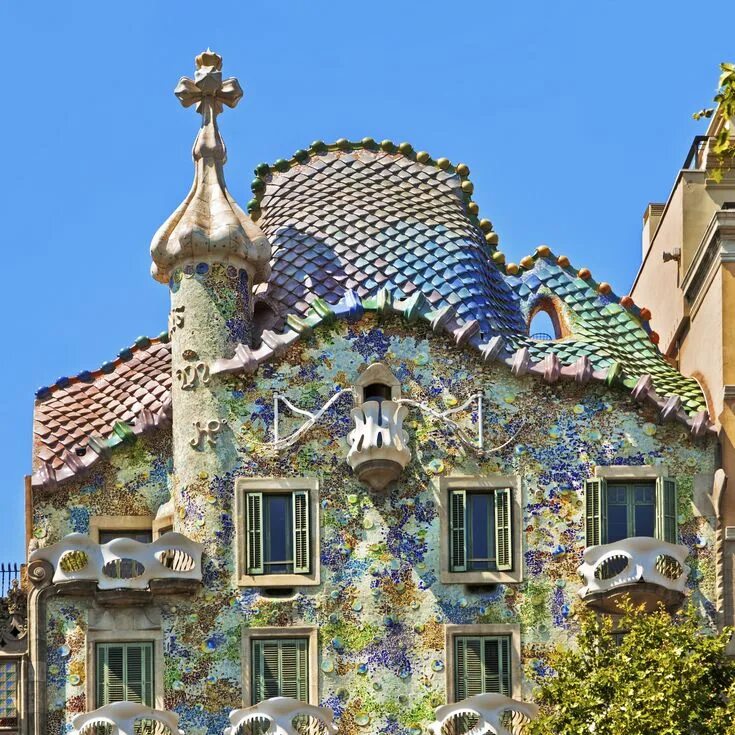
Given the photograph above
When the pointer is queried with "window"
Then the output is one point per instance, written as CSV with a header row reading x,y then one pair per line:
x,y
480,529
277,532
144,536
8,694
618,510
280,668
124,673
482,665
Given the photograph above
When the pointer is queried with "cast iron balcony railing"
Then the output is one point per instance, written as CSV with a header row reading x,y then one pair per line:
x,y
483,714
171,563
282,716
648,571
126,718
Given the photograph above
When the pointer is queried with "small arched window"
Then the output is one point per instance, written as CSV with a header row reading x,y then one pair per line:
x,y
545,321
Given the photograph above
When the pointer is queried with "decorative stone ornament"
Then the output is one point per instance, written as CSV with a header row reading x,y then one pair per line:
x,y
490,709
644,569
378,443
208,225
279,714
122,717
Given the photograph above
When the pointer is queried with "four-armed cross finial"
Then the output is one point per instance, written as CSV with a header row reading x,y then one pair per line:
x,y
209,92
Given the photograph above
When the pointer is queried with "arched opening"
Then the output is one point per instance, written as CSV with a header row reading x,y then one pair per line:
x,y
545,321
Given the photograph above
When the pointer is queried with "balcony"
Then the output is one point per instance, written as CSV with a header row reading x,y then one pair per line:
x,y
378,443
483,714
647,571
126,718
284,716
170,565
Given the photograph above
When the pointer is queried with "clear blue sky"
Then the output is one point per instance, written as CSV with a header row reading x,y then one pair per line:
x,y
571,115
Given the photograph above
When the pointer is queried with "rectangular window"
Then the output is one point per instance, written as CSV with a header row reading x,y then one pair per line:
x,y
277,532
620,510
8,694
280,668
482,665
144,536
124,673
480,530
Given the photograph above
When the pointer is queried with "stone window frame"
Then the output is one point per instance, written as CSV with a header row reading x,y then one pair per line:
x,y
119,523
310,632
160,524
377,372
125,636
276,485
442,489
512,630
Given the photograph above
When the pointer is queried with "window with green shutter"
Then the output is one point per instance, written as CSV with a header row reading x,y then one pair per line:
x,y
280,668
124,673
619,510
481,665
277,532
480,529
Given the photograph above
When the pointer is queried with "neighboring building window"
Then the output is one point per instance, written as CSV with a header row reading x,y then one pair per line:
x,y
8,694
482,665
619,510
480,530
144,536
280,668
124,673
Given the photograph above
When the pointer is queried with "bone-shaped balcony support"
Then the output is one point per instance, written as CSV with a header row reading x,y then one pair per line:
x,y
280,713
640,559
378,444
488,708
123,563
123,716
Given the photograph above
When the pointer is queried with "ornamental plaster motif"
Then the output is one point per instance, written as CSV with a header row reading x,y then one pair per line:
x,y
206,433
209,225
192,376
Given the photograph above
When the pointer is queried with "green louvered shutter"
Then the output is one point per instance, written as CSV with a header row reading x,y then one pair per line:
x,y
595,511
666,526
125,673
301,532
503,530
468,666
255,533
280,669
458,531
500,669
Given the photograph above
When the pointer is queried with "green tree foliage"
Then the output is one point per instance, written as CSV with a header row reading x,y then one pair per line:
x,y
665,677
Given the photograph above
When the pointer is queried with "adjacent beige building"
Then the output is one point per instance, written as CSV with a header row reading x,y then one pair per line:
x,y
687,281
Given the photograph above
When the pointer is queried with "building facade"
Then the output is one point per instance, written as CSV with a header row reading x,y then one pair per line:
x,y
346,485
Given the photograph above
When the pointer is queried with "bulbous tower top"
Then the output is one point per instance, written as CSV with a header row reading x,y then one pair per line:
x,y
209,226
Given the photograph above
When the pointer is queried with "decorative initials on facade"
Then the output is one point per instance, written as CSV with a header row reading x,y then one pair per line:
x,y
176,319
207,433
192,375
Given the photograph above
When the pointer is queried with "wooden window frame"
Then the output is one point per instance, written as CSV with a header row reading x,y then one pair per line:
x,y
249,635
272,485
154,637
124,645
19,710
442,493
657,475
483,630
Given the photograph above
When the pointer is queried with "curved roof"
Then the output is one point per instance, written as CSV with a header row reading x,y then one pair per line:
x,y
358,226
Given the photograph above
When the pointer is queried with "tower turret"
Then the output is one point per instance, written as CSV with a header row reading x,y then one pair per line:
x,y
211,254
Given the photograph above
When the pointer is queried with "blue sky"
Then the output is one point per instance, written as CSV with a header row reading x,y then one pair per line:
x,y
571,115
